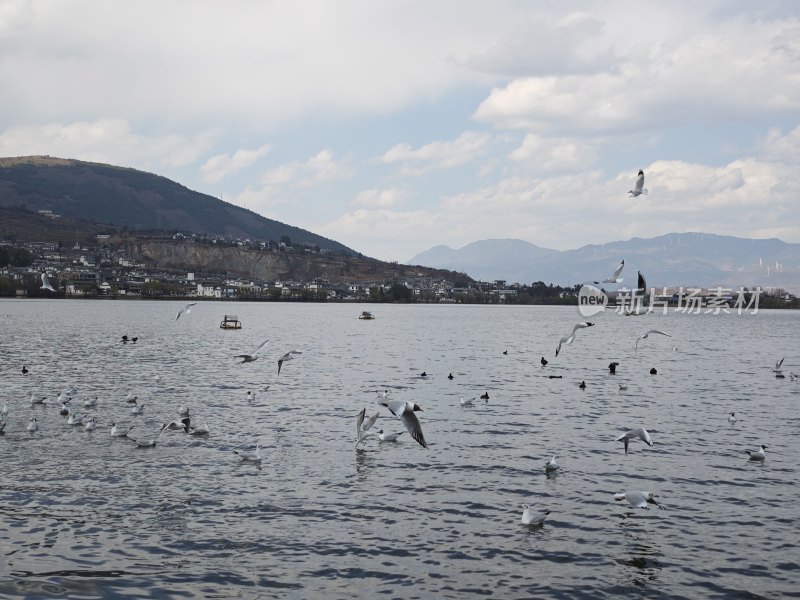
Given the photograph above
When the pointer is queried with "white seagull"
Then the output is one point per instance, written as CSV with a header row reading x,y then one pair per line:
x,y
405,412
732,418
615,278
389,437
638,188
251,357
64,410
639,432
3,410
757,454
185,310
75,419
255,457
285,357
89,402
37,400
199,430
644,336
119,432
91,424
176,425
638,499
363,426
46,283
137,409
533,520
466,402
33,424
777,370
551,465
568,339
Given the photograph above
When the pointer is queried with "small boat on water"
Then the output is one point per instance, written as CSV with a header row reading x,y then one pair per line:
x,y
366,316
230,322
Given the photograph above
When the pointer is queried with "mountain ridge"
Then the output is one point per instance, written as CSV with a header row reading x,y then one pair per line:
x,y
672,259
135,199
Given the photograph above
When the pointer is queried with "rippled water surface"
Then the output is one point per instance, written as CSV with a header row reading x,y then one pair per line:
x,y
85,515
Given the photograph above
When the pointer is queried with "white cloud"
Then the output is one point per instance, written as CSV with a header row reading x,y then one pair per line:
x,y
375,198
440,154
554,154
732,71
319,169
105,140
220,166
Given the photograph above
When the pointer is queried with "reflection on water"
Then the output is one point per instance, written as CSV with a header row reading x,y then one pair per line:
x,y
83,514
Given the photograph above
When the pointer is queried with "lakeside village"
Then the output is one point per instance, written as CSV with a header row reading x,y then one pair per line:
x,y
102,271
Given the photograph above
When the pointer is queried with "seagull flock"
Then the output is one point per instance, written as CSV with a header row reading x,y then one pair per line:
x,y
403,410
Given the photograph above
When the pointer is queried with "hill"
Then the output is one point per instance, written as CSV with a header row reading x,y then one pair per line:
x,y
136,200
675,259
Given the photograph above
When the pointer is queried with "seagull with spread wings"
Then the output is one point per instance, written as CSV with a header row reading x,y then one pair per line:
x,y
246,358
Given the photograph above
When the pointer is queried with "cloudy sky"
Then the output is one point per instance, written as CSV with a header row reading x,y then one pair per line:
x,y
393,126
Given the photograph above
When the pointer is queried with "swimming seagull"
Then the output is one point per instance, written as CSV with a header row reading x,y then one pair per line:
x,y
37,400
2,425
551,465
64,410
638,188
185,310
33,424
89,402
466,402
645,335
137,409
638,499
75,419
757,454
46,283
147,443
389,437
251,357
532,520
639,432
363,426
623,387
405,412
130,398
176,425
285,357
119,432
615,278
255,457
91,424
3,410
200,430
732,418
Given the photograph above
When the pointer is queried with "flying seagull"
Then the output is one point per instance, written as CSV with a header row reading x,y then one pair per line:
x,y
185,310
637,298
363,426
568,339
639,432
777,370
638,499
615,278
645,335
246,358
639,188
46,283
405,412
285,357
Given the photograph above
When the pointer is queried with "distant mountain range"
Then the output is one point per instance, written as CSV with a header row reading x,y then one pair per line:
x,y
136,200
675,259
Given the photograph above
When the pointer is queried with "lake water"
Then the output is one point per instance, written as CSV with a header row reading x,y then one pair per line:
x,y
85,515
